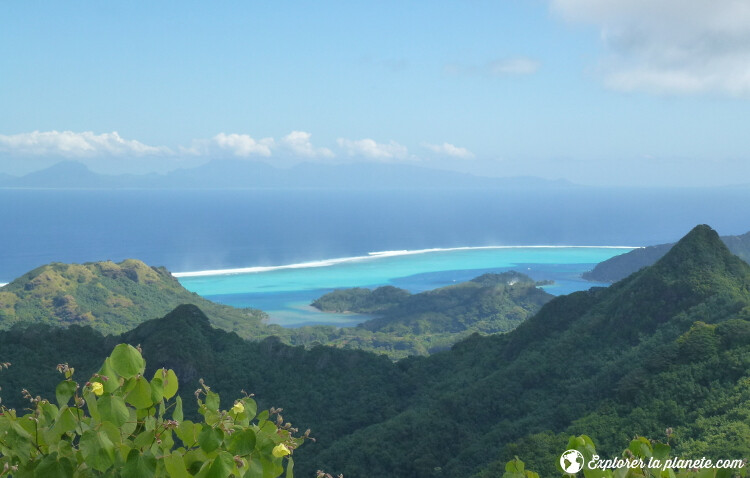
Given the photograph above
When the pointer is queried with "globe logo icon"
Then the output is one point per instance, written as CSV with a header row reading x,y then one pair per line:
x,y
571,461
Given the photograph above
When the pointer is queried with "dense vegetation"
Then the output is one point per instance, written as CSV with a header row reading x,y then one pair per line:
x,y
361,300
120,423
619,267
489,303
330,390
430,321
667,347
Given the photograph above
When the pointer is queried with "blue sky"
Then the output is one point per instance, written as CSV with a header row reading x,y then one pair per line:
x,y
607,92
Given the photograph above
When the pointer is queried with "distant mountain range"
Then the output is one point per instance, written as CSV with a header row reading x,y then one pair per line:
x,y
619,267
241,174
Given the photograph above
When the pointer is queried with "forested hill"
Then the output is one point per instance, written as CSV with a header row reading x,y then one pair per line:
x,y
666,347
619,267
112,298
490,303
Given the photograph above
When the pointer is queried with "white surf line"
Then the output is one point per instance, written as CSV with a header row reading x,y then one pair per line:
x,y
3,284
372,255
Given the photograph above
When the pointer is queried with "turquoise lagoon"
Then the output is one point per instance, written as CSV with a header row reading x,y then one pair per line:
x,y
285,292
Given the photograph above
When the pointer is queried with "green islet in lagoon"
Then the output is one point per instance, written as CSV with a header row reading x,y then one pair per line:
x,y
285,292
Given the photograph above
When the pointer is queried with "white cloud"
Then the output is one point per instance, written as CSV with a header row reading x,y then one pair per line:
x,y
448,149
497,68
243,145
371,149
76,145
299,143
513,66
672,46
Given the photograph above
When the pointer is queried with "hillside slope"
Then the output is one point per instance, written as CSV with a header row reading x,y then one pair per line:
x,y
112,298
619,267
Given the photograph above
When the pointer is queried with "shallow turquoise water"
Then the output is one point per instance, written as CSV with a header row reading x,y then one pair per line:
x,y
286,292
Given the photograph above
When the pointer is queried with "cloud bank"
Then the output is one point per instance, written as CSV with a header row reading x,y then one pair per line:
x,y
369,148
296,144
76,145
299,143
670,46
243,145
448,149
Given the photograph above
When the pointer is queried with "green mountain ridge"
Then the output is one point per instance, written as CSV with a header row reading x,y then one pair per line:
x,y
562,368
619,267
667,347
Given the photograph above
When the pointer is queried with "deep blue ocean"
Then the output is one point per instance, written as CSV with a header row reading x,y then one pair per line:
x,y
208,229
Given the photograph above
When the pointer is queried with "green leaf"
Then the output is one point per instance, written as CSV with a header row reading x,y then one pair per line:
x,y
139,465
177,412
251,408
661,451
90,398
112,382
64,392
188,432
66,421
222,466
290,468
175,465
515,466
157,390
51,467
149,423
242,442
127,361
113,432
254,469
169,381
129,426
140,394
49,411
113,409
194,459
271,468
144,439
97,449
212,401
19,442
210,439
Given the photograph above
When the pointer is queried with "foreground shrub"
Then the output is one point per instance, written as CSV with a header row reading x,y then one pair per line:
x,y
119,423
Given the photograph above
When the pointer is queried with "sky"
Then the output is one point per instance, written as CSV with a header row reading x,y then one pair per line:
x,y
605,92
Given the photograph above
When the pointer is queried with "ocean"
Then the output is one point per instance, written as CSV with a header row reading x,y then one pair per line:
x,y
200,230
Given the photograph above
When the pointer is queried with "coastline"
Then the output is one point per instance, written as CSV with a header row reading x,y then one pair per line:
x,y
371,256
